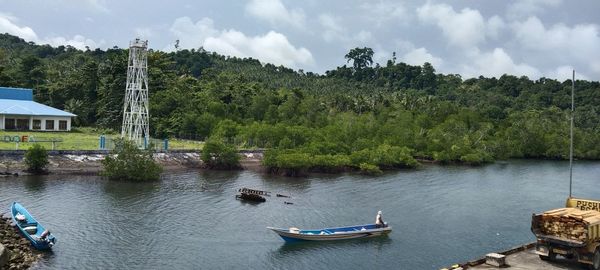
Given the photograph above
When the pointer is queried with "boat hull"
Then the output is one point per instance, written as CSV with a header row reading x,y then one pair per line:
x,y
34,235
332,234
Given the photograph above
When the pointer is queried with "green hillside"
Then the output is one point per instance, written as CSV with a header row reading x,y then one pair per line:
x,y
359,113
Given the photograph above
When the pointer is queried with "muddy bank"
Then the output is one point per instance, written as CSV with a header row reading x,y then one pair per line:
x,y
88,162
21,254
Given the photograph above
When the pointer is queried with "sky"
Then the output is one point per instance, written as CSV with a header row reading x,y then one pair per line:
x,y
534,38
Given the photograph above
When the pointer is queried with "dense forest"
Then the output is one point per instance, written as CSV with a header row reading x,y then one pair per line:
x,y
359,115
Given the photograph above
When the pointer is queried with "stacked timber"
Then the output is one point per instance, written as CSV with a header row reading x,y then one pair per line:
x,y
252,195
254,191
569,223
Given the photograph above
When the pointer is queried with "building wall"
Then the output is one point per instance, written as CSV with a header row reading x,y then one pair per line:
x,y
54,119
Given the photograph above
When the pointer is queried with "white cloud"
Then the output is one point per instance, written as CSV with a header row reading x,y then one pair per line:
x,y
332,27
381,56
272,47
275,13
560,43
419,56
495,64
192,34
465,28
99,5
563,73
8,25
334,31
143,32
78,41
495,25
383,11
363,36
525,8
596,67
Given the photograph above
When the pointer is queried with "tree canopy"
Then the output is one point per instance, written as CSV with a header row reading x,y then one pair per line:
x,y
396,109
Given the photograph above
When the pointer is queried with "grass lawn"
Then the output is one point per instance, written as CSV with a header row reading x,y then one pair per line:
x,y
77,139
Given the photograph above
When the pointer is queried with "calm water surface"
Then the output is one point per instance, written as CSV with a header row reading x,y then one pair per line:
x,y
190,220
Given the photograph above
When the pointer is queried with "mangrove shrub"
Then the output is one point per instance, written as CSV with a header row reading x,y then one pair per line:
x,y
220,156
370,169
36,159
128,162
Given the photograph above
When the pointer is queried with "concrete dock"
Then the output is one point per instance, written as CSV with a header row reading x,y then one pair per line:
x,y
525,258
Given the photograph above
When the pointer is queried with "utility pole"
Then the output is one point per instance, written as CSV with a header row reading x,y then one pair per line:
x,y
571,144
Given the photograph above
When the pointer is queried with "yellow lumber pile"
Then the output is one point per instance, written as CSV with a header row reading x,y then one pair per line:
x,y
568,223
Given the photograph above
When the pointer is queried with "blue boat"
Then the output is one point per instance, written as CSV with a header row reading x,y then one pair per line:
x,y
327,234
39,237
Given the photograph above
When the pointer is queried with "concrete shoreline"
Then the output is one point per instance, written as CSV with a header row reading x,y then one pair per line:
x,y
521,258
87,162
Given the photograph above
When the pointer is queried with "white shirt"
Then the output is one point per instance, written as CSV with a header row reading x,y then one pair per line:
x,y
378,220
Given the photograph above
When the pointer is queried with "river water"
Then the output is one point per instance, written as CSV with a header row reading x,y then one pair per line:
x,y
190,220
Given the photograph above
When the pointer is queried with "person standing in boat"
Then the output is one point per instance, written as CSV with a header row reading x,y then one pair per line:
x,y
379,223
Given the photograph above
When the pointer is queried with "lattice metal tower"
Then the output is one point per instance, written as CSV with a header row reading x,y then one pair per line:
x,y
136,124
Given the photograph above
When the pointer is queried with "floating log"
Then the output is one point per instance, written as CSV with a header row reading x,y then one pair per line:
x,y
283,196
250,197
288,202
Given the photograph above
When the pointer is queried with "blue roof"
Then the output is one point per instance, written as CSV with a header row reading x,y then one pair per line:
x,y
28,107
16,93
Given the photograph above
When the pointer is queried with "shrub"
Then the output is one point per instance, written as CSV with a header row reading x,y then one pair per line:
x,y
36,159
128,162
361,156
441,156
371,169
287,162
286,143
217,155
385,156
476,158
393,156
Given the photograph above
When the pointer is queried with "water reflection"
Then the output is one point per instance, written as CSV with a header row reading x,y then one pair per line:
x,y
440,215
34,183
376,243
286,185
216,181
366,253
120,190
250,203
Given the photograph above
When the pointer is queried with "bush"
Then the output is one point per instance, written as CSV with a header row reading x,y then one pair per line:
x,y
217,155
128,162
477,158
361,156
36,159
443,157
385,156
393,157
370,169
295,162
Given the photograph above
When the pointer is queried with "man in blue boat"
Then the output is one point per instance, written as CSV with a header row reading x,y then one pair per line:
x,y
379,220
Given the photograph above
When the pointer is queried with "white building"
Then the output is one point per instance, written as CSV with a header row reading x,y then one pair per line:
x,y
18,111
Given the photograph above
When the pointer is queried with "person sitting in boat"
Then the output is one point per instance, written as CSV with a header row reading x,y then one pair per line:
x,y
379,223
44,235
